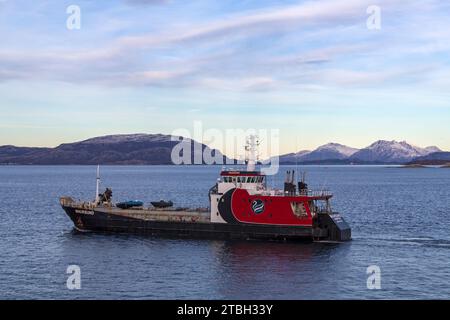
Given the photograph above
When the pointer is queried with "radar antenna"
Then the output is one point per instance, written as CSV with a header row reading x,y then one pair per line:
x,y
252,152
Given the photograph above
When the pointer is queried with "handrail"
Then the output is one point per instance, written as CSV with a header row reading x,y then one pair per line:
x,y
308,193
67,201
319,193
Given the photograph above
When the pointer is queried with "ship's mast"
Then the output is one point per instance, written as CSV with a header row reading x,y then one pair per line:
x,y
97,198
252,150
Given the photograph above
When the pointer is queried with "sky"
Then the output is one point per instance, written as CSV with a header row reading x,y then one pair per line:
x,y
314,70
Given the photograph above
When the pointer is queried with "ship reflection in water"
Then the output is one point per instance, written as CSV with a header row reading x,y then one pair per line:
x,y
145,267
282,270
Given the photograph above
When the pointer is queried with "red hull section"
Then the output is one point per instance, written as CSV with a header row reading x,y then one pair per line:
x,y
238,206
274,210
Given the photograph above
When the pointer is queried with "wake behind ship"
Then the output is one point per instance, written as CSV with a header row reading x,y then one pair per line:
x,y
241,207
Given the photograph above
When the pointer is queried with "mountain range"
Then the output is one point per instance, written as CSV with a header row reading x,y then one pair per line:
x,y
435,158
149,149
131,149
379,152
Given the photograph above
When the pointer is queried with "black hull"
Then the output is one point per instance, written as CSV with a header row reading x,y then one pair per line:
x,y
326,227
104,222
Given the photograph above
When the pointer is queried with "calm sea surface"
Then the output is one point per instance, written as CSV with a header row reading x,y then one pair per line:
x,y
400,220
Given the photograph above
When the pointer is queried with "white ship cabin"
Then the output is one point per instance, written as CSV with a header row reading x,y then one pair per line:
x,y
250,180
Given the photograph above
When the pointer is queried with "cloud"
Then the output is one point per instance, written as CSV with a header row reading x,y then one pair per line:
x,y
155,77
311,44
246,84
262,21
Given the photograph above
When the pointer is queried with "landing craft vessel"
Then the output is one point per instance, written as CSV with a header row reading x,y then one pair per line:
x,y
241,207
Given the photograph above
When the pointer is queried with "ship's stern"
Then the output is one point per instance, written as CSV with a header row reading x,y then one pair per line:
x,y
331,227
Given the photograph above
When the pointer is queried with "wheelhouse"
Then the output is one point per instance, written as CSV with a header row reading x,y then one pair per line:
x,y
245,179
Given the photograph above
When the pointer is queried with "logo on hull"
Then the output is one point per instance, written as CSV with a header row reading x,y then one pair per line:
x,y
258,206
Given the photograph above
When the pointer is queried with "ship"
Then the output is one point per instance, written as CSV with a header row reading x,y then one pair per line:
x,y
241,207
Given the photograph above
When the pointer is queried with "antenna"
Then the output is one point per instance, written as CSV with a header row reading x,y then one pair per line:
x,y
97,198
252,149
297,149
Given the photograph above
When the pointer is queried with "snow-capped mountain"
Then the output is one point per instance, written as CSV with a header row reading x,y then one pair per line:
x,y
128,138
381,151
293,157
391,152
432,149
329,151
113,149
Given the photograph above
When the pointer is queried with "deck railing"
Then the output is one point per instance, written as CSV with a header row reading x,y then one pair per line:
x,y
67,201
309,193
319,193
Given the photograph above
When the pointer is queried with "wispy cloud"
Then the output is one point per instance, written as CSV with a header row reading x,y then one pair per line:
x,y
284,19
313,43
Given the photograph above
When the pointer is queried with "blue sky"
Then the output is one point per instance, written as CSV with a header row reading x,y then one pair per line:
x,y
309,68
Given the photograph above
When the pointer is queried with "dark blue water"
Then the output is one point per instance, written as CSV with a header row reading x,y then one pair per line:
x,y
400,220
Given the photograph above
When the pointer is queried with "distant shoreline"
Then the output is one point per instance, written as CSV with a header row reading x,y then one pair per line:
x,y
200,165
158,149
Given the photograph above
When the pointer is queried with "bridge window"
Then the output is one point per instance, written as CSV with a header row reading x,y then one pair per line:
x,y
243,179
